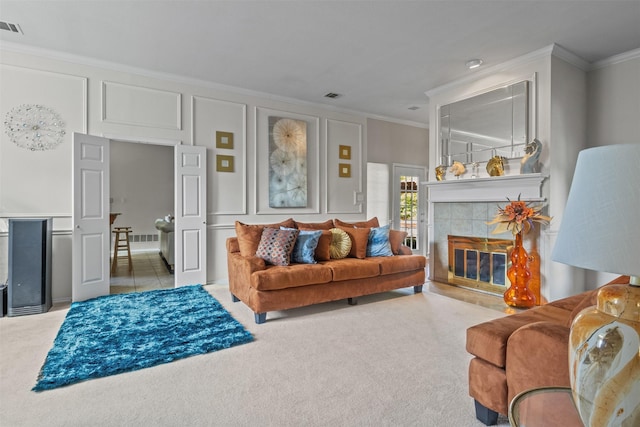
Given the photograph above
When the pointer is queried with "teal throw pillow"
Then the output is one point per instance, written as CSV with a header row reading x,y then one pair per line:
x,y
378,244
305,246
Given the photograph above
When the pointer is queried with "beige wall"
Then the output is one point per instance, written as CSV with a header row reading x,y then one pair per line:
x,y
397,143
614,103
613,114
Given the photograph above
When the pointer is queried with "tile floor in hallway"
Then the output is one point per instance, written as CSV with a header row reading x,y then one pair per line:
x,y
149,272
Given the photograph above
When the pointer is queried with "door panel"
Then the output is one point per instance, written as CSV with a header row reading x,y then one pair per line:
x,y
409,205
190,215
90,249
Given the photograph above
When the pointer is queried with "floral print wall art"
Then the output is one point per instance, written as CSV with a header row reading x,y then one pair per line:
x,y
287,163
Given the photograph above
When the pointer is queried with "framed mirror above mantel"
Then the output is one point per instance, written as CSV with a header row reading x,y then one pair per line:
x,y
498,121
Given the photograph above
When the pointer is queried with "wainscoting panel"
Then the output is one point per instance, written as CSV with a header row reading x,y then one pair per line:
x,y
210,116
344,150
141,106
30,181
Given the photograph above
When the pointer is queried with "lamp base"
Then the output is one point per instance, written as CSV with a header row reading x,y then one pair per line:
x,y
604,358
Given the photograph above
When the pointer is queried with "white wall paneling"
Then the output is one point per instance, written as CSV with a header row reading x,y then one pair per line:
x,y
141,106
28,183
262,162
344,195
229,194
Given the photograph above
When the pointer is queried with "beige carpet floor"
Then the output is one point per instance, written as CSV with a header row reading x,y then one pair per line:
x,y
395,359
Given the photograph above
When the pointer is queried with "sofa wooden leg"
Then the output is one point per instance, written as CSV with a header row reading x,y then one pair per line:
x,y
417,289
352,301
260,317
486,415
234,298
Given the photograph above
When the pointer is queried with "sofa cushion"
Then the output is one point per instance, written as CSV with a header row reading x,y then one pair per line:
x,y
378,243
275,245
488,340
373,222
327,225
396,240
340,244
349,268
305,246
399,264
249,235
359,240
292,276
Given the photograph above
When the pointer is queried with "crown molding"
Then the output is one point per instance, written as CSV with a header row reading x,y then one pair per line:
x,y
554,49
570,57
118,67
483,72
616,59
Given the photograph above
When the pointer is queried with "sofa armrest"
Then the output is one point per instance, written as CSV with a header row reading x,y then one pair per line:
x,y
537,356
239,270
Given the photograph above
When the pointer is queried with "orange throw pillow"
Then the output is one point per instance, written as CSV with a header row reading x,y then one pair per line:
x,y
249,235
359,239
327,225
396,238
371,223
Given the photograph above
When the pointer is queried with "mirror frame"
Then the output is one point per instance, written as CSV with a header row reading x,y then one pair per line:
x,y
531,123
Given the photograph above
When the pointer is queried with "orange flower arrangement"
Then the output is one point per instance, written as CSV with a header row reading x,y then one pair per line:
x,y
518,217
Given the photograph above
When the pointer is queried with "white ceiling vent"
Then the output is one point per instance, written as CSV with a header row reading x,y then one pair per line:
x,y
14,28
332,95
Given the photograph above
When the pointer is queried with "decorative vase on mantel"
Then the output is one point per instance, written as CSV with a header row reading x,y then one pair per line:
x,y
519,294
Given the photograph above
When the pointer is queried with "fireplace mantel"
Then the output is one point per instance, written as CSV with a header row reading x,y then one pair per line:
x,y
491,189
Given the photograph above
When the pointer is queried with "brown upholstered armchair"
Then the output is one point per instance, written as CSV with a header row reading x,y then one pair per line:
x,y
522,351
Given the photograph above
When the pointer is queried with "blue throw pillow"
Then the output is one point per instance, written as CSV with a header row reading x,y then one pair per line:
x,y
378,244
305,246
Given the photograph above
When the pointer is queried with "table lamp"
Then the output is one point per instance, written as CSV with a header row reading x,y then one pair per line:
x,y
600,230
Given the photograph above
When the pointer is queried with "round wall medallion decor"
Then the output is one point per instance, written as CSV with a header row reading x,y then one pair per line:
x,y
34,127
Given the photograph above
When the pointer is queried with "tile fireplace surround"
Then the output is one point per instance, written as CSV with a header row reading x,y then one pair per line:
x,y
463,208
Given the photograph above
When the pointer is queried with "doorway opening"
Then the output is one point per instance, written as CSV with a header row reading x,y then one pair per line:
x,y
142,197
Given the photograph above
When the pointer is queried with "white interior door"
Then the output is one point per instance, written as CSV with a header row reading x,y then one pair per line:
x,y
190,215
91,236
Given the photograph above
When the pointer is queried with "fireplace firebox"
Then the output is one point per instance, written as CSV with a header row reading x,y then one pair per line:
x,y
479,263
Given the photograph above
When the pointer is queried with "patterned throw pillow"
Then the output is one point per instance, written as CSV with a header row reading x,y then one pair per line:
x,y
379,244
340,244
249,235
276,245
305,246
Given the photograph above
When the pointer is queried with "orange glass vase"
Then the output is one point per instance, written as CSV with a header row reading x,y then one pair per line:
x,y
519,294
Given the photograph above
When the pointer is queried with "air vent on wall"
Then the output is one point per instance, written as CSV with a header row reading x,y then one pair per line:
x,y
414,108
332,95
14,28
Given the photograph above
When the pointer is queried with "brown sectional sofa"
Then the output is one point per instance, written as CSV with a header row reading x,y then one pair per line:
x,y
522,351
263,287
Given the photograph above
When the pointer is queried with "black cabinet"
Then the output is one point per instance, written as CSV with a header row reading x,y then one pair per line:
x,y
30,255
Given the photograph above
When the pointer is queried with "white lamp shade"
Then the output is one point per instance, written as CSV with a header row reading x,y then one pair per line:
x,y
600,227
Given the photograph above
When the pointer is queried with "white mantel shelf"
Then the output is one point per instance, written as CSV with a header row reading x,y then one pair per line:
x,y
490,189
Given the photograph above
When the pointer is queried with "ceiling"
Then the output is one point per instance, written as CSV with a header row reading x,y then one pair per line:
x,y
381,56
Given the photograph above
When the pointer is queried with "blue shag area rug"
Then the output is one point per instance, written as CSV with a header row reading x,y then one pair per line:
x,y
126,332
